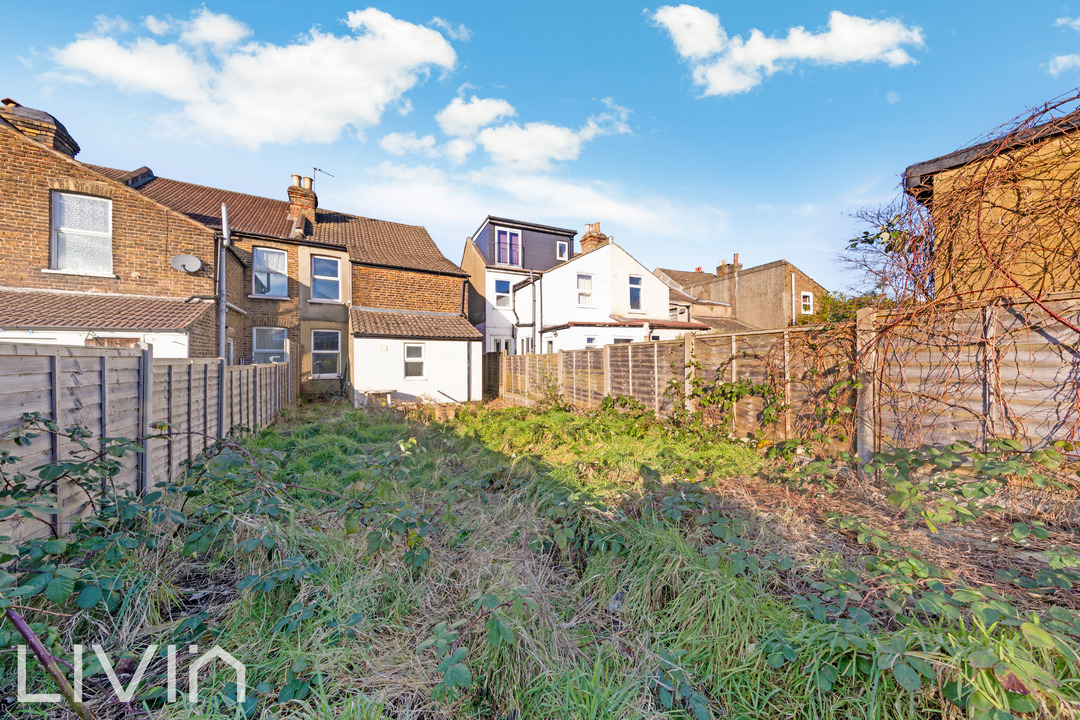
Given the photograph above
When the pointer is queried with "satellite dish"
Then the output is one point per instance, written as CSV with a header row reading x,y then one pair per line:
x,y
186,263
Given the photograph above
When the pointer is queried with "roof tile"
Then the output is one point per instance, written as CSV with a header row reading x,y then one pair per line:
x,y
32,309
381,323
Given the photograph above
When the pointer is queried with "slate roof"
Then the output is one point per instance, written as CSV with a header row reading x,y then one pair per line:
x,y
430,326
369,242
31,309
675,295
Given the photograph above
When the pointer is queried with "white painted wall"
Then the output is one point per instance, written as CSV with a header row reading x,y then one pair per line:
x,y
166,345
379,365
500,321
576,338
654,292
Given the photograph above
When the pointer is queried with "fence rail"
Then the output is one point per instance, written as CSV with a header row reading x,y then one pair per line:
x,y
125,393
1007,369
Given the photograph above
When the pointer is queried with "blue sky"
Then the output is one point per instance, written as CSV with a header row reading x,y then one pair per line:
x,y
689,132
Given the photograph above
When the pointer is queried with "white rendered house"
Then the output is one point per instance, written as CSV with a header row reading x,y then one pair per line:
x,y
599,297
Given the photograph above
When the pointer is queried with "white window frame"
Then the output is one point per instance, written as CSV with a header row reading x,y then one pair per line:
x,y
510,233
590,341
506,294
579,291
630,292
264,296
335,278
56,229
550,347
314,352
422,360
562,250
805,305
254,345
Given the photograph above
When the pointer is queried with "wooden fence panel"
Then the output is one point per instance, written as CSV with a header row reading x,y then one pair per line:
x,y
108,391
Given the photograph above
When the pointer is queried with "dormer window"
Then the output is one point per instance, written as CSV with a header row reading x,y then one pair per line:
x,y
562,250
81,234
507,247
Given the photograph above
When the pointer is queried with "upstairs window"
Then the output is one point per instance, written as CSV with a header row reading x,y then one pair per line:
x,y
81,234
808,303
635,292
270,273
562,250
507,247
325,278
590,342
270,344
502,293
414,361
673,313
325,354
584,290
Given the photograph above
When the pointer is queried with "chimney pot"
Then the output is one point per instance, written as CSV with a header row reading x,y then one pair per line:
x,y
736,259
697,269
296,181
306,183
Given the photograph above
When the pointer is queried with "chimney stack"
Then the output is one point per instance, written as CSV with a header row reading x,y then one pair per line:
x,y
593,238
39,125
303,202
723,268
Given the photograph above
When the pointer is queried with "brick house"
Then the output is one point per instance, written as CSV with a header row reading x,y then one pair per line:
x,y
1004,213
296,276
763,297
85,258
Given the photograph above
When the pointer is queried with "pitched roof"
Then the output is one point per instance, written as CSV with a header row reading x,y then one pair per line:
x,y
688,277
369,242
725,324
676,295
35,309
432,326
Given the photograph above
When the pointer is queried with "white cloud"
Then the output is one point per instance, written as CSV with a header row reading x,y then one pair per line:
x,y
454,32
1073,23
103,25
156,25
458,149
405,143
463,118
306,91
726,66
539,145
216,29
892,97
1063,63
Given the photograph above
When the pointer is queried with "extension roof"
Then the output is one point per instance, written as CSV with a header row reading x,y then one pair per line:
x,y
688,277
368,241
918,177
36,309
376,322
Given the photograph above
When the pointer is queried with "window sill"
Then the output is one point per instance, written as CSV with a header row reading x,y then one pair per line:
x,y
636,312
51,271
268,297
324,377
324,301
586,307
408,379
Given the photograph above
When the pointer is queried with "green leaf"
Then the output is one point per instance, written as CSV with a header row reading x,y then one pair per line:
x,y
982,659
1037,637
59,589
54,547
457,676
89,597
907,677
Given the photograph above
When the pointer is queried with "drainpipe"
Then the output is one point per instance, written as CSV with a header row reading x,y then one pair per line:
x,y
223,302
792,298
532,335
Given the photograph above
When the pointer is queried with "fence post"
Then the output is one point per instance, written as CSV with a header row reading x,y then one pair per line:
x,y
170,410
734,366
104,403
560,366
607,370
787,386
866,353
221,398
688,371
256,419
991,371
190,411
57,440
656,375
146,418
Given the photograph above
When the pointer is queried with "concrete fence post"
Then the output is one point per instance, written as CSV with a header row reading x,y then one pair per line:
x,y
688,371
146,419
866,441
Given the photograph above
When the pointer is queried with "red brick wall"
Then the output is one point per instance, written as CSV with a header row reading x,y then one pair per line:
x,y
263,312
406,290
145,236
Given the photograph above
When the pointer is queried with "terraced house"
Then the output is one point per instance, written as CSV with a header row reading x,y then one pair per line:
x,y
105,256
